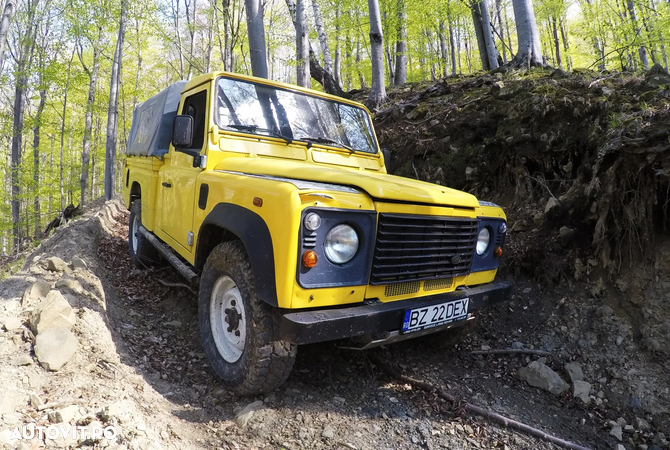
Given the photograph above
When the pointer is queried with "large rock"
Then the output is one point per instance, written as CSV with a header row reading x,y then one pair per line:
x,y
52,312
39,289
55,264
13,323
54,347
78,263
540,375
581,390
574,371
9,401
242,418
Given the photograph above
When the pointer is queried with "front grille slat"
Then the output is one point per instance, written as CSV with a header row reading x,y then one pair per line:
x,y
413,248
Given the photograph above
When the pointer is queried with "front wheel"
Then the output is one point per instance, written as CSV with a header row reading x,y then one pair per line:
x,y
237,328
142,253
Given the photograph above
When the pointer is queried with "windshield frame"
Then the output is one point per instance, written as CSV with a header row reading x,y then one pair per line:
x,y
226,128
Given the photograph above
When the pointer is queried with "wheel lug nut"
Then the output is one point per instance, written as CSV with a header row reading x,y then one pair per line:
x,y
237,333
232,302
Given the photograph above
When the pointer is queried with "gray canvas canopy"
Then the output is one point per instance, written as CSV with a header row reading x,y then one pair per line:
x,y
151,130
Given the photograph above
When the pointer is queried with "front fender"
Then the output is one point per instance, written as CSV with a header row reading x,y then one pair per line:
x,y
252,230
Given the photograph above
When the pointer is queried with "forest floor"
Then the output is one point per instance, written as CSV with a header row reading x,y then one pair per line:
x,y
140,364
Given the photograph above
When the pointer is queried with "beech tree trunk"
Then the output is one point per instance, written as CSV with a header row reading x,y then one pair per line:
x,y
5,20
453,47
491,51
529,53
323,37
642,51
88,118
401,45
36,161
476,11
113,109
557,42
337,69
256,30
378,89
302,44
62,133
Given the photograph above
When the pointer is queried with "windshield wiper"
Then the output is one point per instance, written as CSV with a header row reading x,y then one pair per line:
x,y
255,128
325,140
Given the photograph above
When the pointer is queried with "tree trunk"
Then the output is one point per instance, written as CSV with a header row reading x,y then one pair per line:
x,y
557,42
113,109
175,14
191,27
378,89
23,67
452,43
36,160
88,119
210,38
501,25
643,49
401,45
337,74
566,45
491,51
323,37
361,75
475,9
529,53
5,20
256,30
302,44
62,133
444,49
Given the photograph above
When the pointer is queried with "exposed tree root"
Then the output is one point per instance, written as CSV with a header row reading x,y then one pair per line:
x,y
524,351
473,408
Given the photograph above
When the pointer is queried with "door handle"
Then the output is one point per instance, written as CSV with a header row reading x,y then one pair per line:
x,y
166,184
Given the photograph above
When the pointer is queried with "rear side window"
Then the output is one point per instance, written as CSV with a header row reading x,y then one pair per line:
x,y
196,107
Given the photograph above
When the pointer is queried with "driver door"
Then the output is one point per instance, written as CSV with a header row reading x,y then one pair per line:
x,y
178,176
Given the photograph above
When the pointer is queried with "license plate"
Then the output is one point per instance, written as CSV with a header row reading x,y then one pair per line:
x,y
435,315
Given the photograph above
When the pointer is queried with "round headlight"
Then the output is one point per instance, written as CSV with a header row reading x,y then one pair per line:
x,y
341,244
483,240
312,221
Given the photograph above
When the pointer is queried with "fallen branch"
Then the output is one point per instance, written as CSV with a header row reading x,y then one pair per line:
x,y
524,351
473,408
178,285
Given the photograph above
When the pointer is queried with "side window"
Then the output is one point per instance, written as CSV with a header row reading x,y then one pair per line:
x,y
196,107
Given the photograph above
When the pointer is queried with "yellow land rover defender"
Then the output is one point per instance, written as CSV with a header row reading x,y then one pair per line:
x,y
276,201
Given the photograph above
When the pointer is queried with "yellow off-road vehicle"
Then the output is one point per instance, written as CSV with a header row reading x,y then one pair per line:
x,y
276,200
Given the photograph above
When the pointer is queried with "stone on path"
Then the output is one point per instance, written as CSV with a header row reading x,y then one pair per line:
x,y
540,375
54,347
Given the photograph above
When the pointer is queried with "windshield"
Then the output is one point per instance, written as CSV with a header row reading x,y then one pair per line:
x,y
260,109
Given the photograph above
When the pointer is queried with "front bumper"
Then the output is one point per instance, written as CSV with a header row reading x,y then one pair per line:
x,y
378,319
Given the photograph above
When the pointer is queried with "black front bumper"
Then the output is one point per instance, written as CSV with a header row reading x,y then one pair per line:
x,y
310,326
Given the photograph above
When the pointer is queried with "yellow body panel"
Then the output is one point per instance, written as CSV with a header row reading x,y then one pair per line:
x,y
241,167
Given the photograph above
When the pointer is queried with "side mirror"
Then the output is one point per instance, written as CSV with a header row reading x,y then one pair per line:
x,y
387,159
182,132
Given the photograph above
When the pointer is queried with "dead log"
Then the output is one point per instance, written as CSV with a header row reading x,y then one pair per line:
x,y
67,214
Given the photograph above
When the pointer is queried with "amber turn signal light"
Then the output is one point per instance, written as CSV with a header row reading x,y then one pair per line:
x,y
498,252
309,259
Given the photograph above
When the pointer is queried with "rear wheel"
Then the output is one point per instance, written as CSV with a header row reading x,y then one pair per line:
x,y
238,328
142,253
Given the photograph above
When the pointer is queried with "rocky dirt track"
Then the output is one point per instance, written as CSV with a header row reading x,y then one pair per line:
x,y
139,366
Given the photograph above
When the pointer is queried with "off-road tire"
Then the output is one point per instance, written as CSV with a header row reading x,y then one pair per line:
x,y
266,361
449,338
142,253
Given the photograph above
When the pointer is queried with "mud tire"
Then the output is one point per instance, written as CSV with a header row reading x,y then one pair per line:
x,y
142,253
265,361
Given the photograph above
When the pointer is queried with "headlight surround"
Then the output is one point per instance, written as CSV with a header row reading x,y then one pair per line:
x,y
341,244
483,241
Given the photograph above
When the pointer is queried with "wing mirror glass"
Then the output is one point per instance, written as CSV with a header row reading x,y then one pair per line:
x,y
182,132
387,159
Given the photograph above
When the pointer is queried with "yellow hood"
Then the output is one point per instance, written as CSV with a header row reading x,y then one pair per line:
x,y
378,185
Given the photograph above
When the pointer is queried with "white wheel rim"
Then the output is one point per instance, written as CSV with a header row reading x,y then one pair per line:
x,y
229,339
136,229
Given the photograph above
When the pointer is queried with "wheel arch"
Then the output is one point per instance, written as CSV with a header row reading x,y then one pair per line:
x,y
135,191
228,222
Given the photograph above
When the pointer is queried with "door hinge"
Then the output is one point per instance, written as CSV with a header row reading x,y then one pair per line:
x,y
189,238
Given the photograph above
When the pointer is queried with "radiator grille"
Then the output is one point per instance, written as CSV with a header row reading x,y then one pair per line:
x,y
413,248
393,290
434,285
